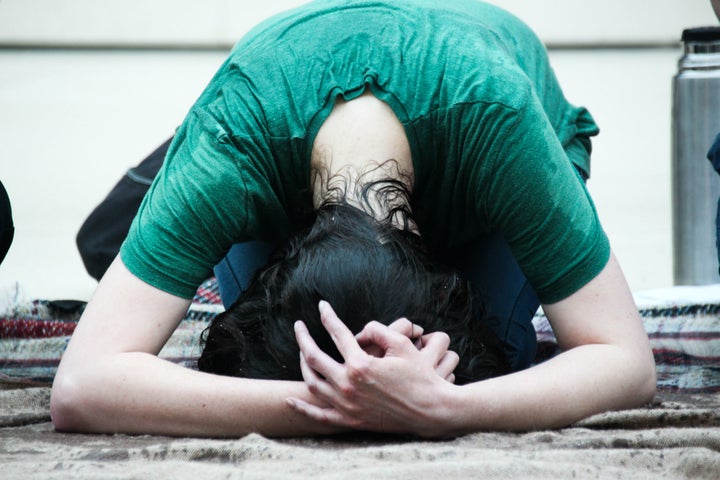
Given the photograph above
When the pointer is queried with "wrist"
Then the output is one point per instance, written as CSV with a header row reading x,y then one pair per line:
x,y
446,417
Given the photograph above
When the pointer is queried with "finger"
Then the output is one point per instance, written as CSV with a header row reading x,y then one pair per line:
x,y
318,360
450,378
329,416
435,345
316,384
447,364
407,328
402,325
341,336
383,337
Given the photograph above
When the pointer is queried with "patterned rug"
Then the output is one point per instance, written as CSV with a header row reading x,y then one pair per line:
x,y
34,333
683,325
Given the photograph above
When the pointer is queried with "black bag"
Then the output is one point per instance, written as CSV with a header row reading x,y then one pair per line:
x,y
7,230
103,232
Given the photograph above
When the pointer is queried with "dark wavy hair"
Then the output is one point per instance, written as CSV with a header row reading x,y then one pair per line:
x,y
367,270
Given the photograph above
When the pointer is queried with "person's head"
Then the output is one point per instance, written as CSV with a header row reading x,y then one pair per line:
x,y
367,270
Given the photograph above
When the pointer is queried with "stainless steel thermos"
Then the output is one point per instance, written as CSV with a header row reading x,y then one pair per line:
x,y
695,185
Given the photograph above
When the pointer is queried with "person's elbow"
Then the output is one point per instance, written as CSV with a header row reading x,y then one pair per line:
x,y
68,401
650,388
645,385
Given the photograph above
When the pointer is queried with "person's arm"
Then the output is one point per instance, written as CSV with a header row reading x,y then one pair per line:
x,y
607,364
110,379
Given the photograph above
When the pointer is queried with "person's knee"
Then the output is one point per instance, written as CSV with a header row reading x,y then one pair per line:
x,y
237,268
501,286
522,346
517,330
717,234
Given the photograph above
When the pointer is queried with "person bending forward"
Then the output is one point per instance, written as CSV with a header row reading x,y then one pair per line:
x,y
453,105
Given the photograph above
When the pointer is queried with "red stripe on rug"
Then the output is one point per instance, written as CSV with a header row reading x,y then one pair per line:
x,y
31,328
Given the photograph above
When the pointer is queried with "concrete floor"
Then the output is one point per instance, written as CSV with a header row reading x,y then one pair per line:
x,y
72,122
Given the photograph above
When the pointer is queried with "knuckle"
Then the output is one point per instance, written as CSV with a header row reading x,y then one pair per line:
x,y
440,339
347,390
313,387
358,370
373,325
402,325
326,418
311,359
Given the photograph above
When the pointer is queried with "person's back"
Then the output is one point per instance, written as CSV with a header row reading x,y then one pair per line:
x,y
467,81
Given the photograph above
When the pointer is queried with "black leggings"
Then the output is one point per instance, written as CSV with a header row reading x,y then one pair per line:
x,y
7,230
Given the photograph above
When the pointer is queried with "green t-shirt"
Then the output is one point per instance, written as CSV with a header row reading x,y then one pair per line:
x,y
492,138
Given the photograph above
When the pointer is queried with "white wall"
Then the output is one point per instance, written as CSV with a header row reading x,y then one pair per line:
x,y
219,23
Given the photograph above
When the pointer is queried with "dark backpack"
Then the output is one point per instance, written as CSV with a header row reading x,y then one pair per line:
x,y
7,231
103,232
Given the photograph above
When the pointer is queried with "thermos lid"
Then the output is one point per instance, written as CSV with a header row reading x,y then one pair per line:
x,y
701,34
703,41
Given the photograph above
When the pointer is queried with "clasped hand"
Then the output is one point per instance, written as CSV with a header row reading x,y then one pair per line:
x,y
394,378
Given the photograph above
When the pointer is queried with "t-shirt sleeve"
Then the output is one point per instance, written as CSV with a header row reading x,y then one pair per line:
x,y
530,191
193,212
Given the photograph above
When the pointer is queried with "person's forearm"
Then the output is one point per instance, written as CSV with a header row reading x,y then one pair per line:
x,y
607,364
576,384
140,393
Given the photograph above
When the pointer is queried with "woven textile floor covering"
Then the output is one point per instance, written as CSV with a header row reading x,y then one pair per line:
x,y
677,436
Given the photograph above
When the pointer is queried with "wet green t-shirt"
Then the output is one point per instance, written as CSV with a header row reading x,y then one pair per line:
x,y
492,138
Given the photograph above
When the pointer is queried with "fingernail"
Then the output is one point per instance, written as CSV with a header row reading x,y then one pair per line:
x,y
290,402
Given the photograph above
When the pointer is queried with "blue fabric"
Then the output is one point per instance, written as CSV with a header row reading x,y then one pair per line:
x,y
714,154
510,302
714,157
235,271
